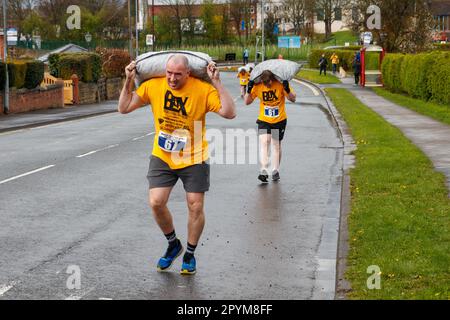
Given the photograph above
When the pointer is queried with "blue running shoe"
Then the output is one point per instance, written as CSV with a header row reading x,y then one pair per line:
x,y
188,267
166,261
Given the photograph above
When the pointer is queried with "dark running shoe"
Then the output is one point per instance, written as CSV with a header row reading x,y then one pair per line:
x,y
188,267
166,261
263,176
275,175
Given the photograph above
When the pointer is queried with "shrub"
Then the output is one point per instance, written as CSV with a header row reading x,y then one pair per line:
x,y
439,79
425,76
87,66
53,61
34,74
113,62
345,58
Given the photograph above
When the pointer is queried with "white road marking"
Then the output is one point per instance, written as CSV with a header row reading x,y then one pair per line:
x,y
95,151
141,137
104,298
26,174
5,288
314,90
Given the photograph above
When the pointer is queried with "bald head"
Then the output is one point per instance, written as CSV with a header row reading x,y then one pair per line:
x,y
177,71
178,59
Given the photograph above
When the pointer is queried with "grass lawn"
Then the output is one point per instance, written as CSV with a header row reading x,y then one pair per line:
x,y
400,211
313,76
436,111
341,37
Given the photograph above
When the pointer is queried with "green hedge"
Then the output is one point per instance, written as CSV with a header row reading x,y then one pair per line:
x,y
34,74
345,58
425,76
87,66
16,72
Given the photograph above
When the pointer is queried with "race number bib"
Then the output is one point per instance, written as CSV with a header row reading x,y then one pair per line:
x,y
271,112
170,143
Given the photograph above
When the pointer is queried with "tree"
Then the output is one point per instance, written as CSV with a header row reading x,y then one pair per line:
x,y
176,14
328,9
406,25
295,13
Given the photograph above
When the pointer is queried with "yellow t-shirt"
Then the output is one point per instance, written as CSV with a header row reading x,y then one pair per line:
x,y
243,78
272,102
180,119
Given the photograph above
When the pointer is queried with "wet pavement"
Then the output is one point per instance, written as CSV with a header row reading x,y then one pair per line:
x,y
274,241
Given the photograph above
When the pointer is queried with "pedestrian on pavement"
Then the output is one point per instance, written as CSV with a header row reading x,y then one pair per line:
x,y
179,104
334,62
272,119
243,76
245,56
323,63
356,68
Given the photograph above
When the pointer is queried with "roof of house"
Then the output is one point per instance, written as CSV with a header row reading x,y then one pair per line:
x,y
440,7
67,48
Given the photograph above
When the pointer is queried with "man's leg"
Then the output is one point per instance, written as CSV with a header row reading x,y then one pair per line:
x,y
264,142
196,219
158,198
276,154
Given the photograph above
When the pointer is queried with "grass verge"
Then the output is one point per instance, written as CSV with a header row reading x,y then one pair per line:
x,y
433,110
400,211
314,76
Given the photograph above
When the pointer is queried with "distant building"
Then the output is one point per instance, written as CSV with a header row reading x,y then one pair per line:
x,y
67,48
441,14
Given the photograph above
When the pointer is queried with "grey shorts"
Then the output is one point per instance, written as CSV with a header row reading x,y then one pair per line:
x,y
195,178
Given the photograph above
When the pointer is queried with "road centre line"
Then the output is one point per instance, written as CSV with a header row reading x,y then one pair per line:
x,y
95,151
141,137
314,90
27,173
6,288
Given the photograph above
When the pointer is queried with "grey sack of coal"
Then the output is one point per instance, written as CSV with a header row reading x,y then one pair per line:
x,y
282,69
153,65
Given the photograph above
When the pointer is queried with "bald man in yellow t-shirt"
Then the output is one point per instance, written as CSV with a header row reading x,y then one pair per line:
x,y
179,104
272,119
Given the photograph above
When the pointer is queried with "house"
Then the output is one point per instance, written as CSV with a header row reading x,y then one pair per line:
x,y
67,48
441,14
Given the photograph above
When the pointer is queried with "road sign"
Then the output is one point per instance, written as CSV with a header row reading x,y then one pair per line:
x,y
289,42
275,29
12,36
242,25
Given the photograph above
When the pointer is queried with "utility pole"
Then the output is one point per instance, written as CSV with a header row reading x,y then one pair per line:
x,y
136,25
130,31
153,25
5,55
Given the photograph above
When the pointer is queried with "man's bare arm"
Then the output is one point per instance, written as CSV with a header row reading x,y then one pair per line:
x,y
129,100
228,109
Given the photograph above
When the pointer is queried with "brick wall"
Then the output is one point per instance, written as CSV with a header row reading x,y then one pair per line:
x,y
24,100
88,93
113,88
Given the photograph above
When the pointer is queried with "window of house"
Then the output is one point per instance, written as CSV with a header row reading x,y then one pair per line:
x,y
320,15
338,14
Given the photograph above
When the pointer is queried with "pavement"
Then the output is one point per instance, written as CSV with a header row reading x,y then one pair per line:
x,y
73,196
44,117
431,136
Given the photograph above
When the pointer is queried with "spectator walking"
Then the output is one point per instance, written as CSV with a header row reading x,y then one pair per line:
x,y
323,63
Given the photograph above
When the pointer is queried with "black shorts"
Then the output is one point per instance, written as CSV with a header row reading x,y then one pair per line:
x,y
277,130
195,178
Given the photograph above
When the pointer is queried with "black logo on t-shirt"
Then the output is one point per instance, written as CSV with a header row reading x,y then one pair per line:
x,y
269,96
174,103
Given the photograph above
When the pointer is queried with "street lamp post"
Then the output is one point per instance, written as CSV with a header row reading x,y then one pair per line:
x,y
130,31
136,25
5,55
262,31
153,25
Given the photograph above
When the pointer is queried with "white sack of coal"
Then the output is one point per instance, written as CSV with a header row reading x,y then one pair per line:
x,y
153,64
282,69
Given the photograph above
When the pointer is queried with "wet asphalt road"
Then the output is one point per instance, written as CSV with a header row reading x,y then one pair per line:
x,y
275,241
